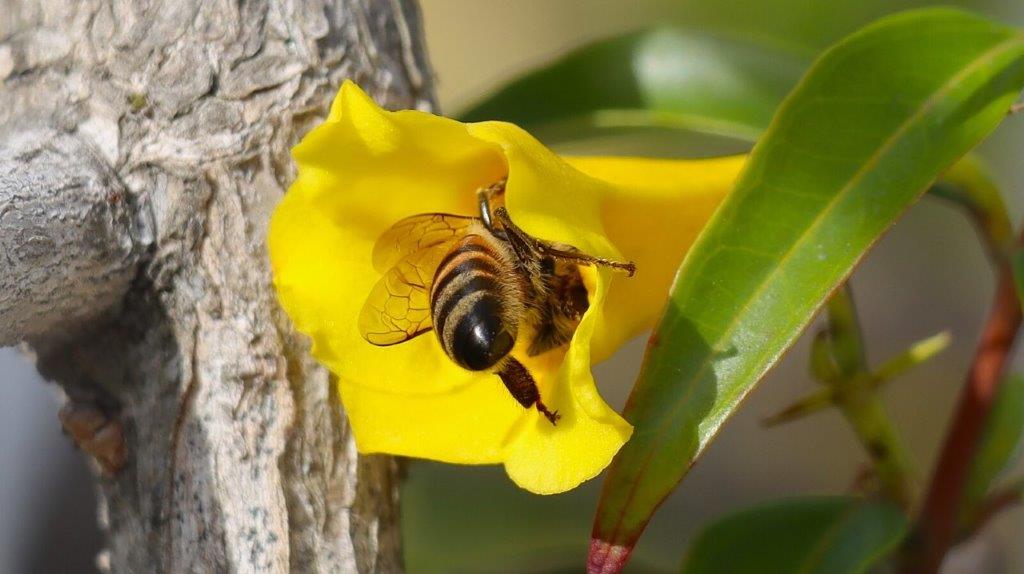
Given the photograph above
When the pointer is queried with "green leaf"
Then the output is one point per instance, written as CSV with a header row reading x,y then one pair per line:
x,y
663,78
1000,442
873,123
827,535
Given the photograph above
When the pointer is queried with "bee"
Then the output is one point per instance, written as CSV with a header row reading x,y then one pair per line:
x,y
479,283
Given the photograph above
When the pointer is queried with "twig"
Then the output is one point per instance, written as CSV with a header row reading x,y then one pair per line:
x,y
937,525
995,503
810,404
970,187
856,397
918,353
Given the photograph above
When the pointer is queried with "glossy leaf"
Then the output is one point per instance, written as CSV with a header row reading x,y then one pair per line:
x,y
1001,442
663,78
818,535
877,118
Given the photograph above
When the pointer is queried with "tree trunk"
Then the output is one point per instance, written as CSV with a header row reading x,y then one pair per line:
x,y
144,145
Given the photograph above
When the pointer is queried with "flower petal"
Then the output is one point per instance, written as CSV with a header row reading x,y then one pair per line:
x,y
656,210
366,168
553,201
548,460
467,425
359,173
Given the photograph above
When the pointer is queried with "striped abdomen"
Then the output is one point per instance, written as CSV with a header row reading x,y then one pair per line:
x,y
473,317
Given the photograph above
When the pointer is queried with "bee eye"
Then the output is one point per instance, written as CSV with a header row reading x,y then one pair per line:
x,y
480,338
547,265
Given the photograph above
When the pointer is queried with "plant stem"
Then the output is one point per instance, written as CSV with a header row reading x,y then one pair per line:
x,y
969,186
869,420
995,503
857,398
916,354
937,524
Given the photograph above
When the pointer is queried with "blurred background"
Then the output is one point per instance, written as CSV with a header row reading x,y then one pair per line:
x,y
928,274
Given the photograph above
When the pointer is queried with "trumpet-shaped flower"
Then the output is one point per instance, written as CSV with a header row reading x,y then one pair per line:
x,y
365,168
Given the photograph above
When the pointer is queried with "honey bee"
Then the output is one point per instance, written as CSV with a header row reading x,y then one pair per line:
x,y
479,283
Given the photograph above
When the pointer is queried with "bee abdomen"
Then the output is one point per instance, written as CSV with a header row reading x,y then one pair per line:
x,y
470,315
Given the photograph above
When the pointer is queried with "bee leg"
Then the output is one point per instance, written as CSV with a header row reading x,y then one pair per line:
x,y
483,199
523,388
519,235
579,257
552,416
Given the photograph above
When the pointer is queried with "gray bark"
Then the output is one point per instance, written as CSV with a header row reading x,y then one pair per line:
x,y
143,146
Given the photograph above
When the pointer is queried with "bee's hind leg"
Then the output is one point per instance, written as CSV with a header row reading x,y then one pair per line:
x,y
523,388
552,416
545,248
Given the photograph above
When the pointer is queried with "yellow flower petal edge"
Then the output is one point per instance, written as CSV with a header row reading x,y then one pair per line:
x,y
365,168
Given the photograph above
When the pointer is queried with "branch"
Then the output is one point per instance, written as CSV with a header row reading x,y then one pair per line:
x,y
937,524
224,443
855,394
69,240
996,502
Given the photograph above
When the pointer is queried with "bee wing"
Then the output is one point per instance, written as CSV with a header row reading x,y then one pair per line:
x,y
417,233
398,307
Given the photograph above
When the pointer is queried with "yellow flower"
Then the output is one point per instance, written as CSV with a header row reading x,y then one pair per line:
x,y
366,168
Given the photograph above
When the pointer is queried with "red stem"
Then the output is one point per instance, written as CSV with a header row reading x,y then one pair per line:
x,y
937,525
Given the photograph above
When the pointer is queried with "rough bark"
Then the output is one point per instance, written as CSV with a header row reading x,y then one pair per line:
x,y
142,149
49,176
